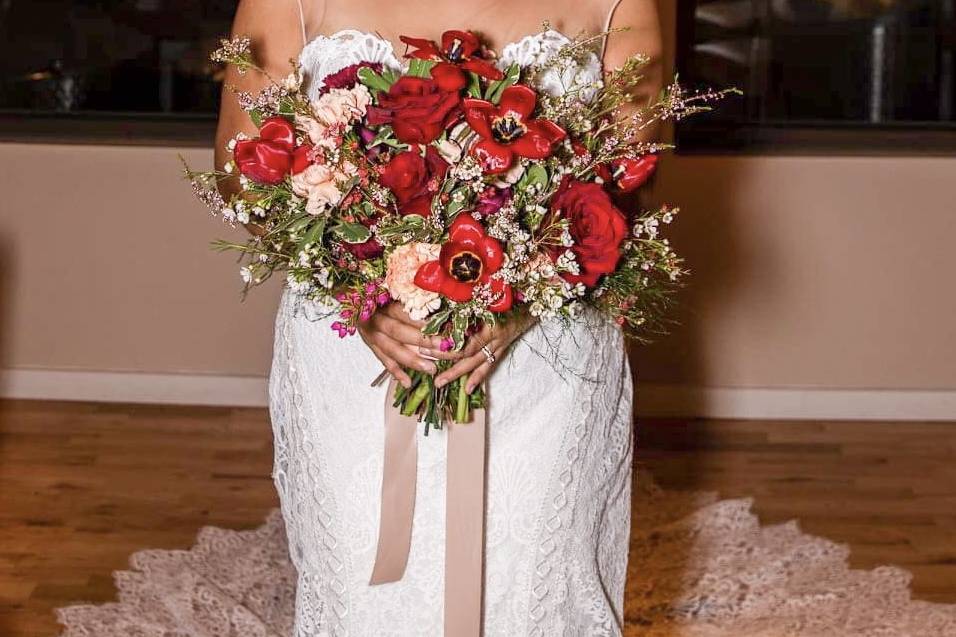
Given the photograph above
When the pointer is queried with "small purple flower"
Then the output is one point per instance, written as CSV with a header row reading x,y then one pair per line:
x,y
384,298
447,344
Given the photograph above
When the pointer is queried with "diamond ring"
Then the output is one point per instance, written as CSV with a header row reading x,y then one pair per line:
x,y
488,354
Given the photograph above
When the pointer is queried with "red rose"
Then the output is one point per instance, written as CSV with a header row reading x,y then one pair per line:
x,y
595,224
414,179
417,108
273,155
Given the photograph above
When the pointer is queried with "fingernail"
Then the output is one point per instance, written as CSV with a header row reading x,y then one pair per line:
x,y
440,382
469,389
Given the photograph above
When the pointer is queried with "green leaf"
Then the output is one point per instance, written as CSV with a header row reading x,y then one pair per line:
x,y
299,224
314,233
495,89
256,116
351,232
436,322
420,68
535,174
286,107
474,85
373,80
390,75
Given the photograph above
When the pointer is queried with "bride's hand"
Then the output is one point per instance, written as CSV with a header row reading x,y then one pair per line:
x,y
471,361
398,342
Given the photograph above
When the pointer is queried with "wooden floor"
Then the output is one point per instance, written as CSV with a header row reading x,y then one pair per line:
x,y
84,485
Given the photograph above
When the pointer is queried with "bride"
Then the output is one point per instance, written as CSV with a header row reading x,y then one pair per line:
x,y
559,418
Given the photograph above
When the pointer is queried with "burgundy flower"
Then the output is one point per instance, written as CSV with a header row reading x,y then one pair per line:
x,y
467,259
418,109
492,199
347,77
508,129
458,49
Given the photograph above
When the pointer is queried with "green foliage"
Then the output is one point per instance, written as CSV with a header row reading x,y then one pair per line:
x,y
351,232
373,80
420,68
496,88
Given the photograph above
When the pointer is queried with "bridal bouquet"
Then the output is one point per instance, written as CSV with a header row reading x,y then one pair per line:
x,y
467,191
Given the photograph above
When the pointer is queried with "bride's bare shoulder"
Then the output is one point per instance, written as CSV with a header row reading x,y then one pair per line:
x,y
275,28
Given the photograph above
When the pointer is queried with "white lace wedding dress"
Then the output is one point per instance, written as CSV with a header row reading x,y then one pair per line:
x,y
558,460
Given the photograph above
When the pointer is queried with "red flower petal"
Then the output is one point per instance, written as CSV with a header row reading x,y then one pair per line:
x,y
483,68
631,174
534,144
554,132
449,77
300,159
505,298
478,114
426,48
518,99
492,256
264,162
469,42
278,130
466,229
430,276
493,157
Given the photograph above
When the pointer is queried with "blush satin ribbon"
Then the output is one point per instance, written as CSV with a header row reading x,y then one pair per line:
x,y
464,512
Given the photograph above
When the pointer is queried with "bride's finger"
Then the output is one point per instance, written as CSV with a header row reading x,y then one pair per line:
x,y
464,366
393,368
403,355
481,372
408,334
396,311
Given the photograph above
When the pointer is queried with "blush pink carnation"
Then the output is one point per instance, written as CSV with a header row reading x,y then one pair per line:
x,y
333,113
400,271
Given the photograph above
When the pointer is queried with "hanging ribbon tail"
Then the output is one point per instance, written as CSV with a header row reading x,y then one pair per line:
x,y
464,513
399,473
464,526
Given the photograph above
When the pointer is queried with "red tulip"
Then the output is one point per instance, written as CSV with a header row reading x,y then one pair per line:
x,y
629,174
273,155
508,129
467,259
460,48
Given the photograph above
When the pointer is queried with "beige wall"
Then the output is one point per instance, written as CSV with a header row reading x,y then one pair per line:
x,y
809,271
831,272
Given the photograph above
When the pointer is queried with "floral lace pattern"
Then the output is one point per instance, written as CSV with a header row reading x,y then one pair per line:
x,y
698,568
559,78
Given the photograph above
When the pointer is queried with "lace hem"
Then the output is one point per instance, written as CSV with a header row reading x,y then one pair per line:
x,y
698,568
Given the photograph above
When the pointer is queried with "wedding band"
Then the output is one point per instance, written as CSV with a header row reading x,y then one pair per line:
x,y
488,354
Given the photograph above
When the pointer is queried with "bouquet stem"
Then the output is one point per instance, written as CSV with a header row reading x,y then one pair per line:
x,y
433,405
462,411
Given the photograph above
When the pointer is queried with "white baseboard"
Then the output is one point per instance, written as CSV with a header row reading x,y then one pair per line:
x,y
132,387
794,403
654,400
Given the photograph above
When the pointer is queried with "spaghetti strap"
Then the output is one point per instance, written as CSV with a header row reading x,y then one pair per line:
x,y
607,25
305,37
